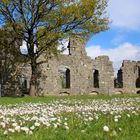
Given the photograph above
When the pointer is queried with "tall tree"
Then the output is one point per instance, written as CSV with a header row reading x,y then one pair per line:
x,y
45,22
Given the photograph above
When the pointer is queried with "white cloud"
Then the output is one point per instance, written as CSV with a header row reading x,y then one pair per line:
x,y
125,13
125,51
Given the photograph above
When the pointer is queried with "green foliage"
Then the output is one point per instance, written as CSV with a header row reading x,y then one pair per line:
x,y
45,22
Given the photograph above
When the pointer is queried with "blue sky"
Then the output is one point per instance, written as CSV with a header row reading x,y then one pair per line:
x,y
112,37
122,40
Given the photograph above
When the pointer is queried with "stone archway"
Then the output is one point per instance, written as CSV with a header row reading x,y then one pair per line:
x,y
118,92
94,93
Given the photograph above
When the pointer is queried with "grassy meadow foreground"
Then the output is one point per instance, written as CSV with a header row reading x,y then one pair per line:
x,y
70,118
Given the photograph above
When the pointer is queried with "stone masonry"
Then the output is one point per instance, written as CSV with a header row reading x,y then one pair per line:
x,y
129,76
76,73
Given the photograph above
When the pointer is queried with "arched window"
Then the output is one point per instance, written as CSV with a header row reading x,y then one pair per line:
x,y
23,82
139,71
138,82
138,79
96,79
65,77
119,79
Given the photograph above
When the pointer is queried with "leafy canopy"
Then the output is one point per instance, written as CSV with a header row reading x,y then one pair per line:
x,y
44,22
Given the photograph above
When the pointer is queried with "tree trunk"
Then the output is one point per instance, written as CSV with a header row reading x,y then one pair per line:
x,y
33,81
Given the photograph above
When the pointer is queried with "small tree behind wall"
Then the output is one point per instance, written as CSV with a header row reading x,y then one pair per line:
x,y
10,62
45,22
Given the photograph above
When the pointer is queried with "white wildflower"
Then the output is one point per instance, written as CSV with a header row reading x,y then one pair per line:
x,y
5,132
53,119
3,124
30,132
37,124
65,119
32,127
66,127
114,133
55,125
47,124
17,128
90,118
11,130
116,120
25,129
14,124
120,129
96,117
65,123
111,112
106,128
59,120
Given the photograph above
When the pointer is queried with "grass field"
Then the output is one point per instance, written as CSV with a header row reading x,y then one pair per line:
x,y
70,118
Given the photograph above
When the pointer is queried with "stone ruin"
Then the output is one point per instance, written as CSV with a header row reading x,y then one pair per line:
x,y
76,73
128,77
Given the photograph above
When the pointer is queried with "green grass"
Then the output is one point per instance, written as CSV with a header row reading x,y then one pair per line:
x,y
46,99
78,128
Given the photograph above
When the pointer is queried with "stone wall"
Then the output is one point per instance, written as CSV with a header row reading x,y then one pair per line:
x,y
106,74
129,76
76,73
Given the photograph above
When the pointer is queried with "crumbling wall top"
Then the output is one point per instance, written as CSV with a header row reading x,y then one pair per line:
x,y
76,46
102,58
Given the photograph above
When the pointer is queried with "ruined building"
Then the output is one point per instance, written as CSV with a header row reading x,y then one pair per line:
x,y
129,77
76,73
